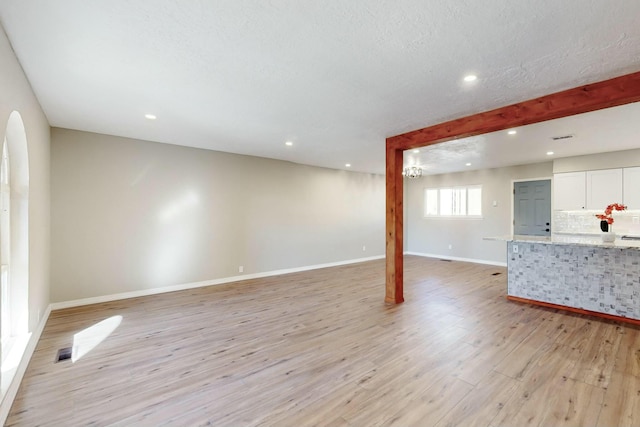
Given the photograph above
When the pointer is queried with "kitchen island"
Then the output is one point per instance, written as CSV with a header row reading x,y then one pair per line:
x,y
578,272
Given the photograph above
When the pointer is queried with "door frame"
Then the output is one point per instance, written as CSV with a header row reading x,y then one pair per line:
x,y
512,190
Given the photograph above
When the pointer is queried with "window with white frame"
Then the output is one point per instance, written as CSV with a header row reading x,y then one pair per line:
x,y
455,202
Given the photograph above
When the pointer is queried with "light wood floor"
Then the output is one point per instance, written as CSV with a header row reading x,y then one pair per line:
x,y
321,348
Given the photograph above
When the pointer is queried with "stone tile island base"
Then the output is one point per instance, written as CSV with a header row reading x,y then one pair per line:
x,y
593,279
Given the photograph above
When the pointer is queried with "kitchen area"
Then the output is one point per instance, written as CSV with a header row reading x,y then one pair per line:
x,y
579,267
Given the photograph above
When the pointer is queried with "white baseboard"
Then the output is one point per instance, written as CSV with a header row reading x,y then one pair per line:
x,y
12,390
185,286
453,258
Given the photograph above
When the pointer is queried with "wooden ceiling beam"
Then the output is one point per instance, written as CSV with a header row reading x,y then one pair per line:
x,y
591,97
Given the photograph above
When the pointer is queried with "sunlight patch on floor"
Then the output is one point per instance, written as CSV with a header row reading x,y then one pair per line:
x,y
88,339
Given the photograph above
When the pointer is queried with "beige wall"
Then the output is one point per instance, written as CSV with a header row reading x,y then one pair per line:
x,y
131,215
611,160
433,236
16,94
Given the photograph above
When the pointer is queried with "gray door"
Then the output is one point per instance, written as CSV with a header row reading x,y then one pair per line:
x,y
532,208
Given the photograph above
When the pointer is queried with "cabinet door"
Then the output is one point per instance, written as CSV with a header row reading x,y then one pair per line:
x,y
569,191
631,187
603,188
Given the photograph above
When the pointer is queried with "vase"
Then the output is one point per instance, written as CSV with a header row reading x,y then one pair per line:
x,y
604,226
609,237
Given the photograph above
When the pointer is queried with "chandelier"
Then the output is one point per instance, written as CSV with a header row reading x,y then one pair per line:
x,y
412,172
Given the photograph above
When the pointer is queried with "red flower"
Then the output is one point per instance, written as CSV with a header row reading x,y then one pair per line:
x,y
609,210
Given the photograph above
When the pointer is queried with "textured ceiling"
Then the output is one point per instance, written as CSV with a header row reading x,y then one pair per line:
x,y
335,77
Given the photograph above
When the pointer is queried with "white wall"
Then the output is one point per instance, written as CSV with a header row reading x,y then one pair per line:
x,y
610,160
434,235
131,215
16,94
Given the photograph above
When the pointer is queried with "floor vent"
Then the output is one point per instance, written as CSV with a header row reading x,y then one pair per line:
x,y
495,274
63,354
446,260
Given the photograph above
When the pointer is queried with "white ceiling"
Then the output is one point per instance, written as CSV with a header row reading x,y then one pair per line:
x,y
335,77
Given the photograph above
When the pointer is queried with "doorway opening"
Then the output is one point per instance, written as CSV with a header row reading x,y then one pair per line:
x,y
14,247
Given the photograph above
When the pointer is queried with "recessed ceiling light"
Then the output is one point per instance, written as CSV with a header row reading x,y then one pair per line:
x,y
288,143
512,132
150,116
467,164
470,78
416,151
348,165
549,153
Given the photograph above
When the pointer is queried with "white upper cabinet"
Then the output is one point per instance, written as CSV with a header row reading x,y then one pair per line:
x,y
603,188
631,187
569,191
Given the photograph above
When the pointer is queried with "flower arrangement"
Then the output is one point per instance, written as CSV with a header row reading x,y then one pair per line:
x,y
609,210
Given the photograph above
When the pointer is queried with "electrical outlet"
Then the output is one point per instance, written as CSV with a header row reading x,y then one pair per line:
x,y
241,269
515,249
364,248
450,246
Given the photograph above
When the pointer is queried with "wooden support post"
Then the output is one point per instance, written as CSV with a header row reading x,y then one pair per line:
x,y
394,281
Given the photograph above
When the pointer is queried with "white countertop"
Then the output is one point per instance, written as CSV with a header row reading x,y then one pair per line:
x,y
580,239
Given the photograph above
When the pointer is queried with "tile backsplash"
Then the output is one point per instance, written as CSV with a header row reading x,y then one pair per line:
x,y
585,221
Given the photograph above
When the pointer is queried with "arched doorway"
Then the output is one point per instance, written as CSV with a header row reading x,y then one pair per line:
x,y
14,245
